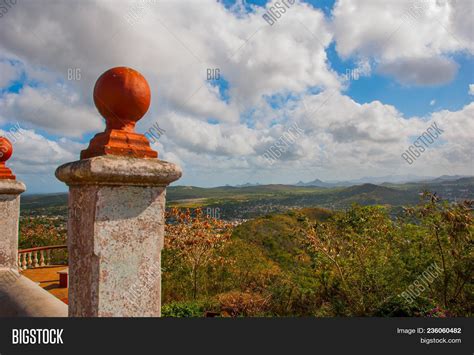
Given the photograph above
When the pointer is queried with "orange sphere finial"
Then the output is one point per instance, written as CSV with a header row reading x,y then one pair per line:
x,y
6,151
122,96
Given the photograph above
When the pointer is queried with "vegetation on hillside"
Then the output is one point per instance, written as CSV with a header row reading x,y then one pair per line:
x,y
41,231
194,245
357,262
361,261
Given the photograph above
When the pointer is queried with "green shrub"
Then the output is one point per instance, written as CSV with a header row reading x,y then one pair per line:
x,y
399,307
182,309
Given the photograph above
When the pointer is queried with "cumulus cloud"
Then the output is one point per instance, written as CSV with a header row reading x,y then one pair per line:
x,y
57,111
339,135
35,158
272,77
35,153
404,35
421,71
8,73
174,53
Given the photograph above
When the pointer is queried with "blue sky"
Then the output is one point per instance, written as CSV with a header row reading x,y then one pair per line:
x,y
411,100
414,100
277,75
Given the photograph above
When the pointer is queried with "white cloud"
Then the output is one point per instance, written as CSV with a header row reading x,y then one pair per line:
x,y
174,52
8,73
421,71
471,89
56,110
340,136
282,63
33,153
404,35
35,158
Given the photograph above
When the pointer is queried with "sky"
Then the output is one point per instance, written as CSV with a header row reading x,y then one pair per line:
x,y
360,79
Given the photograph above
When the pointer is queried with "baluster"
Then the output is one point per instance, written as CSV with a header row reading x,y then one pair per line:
x,y
48,256
19,261
42,258
23,261
35,258
30,260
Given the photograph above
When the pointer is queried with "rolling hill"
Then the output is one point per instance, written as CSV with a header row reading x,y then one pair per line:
x,y
257,200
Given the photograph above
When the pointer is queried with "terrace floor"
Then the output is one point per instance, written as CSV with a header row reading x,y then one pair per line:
x,y
48,278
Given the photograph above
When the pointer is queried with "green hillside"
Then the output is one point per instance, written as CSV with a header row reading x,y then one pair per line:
x,y
317,262
280,239
253,201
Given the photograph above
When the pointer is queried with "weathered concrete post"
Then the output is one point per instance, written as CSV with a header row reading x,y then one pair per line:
x,y
10,190
116,208
19,296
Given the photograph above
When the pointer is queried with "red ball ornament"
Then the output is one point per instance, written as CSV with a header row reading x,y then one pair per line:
x,y
6,149
122,96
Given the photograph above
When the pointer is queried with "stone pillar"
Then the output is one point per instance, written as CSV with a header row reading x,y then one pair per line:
x,y
116,208
10,190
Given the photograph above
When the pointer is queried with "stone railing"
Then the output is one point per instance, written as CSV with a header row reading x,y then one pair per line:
x,y
21,297
36,257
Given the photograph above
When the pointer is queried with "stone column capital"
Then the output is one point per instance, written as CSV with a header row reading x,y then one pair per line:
x,y
115,170
11,187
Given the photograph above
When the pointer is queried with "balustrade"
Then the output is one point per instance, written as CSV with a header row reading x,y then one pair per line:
x,y
37,257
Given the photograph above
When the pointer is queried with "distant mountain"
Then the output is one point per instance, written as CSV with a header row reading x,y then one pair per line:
x,y
379,180
369,194
468,180
394,179
34,201
317,183
446,178
248,184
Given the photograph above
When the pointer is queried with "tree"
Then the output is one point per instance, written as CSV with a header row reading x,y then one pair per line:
x,y
196,241
351,254
448,232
